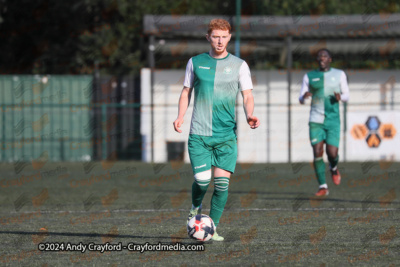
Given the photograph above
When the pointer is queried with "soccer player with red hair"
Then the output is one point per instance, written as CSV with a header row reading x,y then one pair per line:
x,y
216,77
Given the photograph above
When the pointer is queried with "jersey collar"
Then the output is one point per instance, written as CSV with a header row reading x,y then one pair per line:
x,y
218,58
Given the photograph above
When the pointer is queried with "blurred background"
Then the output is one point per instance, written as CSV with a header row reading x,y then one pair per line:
x,y
100,79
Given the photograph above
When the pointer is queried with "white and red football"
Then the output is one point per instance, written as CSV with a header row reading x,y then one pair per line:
x,y
201,228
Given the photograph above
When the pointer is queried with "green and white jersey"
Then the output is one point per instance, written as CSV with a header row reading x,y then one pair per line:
x,y
216,83
322,85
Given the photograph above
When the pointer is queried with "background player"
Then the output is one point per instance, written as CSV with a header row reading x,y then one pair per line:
x,y
327,86
217,77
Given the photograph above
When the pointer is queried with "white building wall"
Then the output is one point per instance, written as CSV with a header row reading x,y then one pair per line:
x,y
268,143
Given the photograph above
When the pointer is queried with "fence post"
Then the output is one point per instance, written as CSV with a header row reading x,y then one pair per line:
x,y
103,131
289,104
344,131
152,67
3,146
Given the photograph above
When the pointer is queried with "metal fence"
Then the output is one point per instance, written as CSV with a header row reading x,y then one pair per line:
x,y
69,118
82,118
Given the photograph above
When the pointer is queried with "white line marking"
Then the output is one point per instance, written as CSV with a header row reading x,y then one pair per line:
x,y
170,210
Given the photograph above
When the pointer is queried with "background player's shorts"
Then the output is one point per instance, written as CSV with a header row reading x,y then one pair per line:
x,y
321,132
207,151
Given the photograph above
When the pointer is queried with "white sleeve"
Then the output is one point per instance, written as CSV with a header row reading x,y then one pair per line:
x,y
189,75
245,77
344,87
304,88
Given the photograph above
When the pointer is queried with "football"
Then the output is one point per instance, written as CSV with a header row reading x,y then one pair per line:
x,y
201,228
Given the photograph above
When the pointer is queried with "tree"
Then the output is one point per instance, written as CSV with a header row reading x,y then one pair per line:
x,y
75,36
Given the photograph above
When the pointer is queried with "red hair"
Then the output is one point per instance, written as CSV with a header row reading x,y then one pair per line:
x,y
219,24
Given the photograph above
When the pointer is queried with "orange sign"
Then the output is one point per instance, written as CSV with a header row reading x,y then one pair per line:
x,y
387,131
373,140
359,131
373,131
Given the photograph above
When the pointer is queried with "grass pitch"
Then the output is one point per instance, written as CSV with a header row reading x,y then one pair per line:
x,y
271,217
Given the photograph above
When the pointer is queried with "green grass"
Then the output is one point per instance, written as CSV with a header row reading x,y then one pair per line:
x,y
271,217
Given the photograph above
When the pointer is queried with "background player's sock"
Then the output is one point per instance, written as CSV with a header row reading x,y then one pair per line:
x,y
198,192
219,198
323,186
319,167
333,162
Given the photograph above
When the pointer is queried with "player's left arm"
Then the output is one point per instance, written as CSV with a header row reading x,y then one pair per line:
x,y
344,95
246,86
248,105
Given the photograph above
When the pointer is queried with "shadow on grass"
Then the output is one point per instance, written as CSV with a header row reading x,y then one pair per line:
x,y
99,235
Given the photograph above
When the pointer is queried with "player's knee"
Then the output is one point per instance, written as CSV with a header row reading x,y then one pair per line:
x,y
318,152
203,178
332,154
221,183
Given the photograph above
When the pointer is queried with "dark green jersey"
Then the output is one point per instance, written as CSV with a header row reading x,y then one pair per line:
x,y
322,85
216,83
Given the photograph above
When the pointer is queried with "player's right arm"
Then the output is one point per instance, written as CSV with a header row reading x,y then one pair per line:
x,y
183,104
184,99
304,92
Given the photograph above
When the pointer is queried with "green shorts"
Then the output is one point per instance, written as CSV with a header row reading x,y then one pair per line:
x,y
207,151
320,132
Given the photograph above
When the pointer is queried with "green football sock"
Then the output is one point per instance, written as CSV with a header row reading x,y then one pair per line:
x,y
219,198
198,192
333,161
319,167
